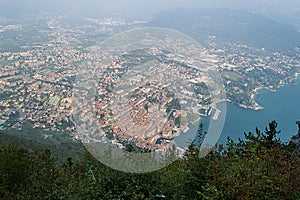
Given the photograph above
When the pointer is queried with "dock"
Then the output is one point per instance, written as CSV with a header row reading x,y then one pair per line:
x,y
216,114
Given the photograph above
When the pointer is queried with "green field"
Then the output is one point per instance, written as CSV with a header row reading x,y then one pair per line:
x,y
232,75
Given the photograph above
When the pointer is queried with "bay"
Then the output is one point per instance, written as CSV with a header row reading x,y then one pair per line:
x,y
283,106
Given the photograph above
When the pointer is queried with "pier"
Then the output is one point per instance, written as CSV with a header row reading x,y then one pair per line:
x,y
216,114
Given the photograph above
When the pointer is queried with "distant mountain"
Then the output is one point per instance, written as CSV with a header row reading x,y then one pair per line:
x,y
232,26
286,17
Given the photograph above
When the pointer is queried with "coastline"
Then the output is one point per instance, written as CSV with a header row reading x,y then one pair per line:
x,y
253,105
272,89
256,105
252,97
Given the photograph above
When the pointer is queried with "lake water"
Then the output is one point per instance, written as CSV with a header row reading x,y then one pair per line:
x,y
282,106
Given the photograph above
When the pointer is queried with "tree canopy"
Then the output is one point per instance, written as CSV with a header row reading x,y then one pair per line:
x,y
259,167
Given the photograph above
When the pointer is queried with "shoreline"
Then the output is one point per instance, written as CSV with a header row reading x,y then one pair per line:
x,y
256,107
255,92
272,89
252,97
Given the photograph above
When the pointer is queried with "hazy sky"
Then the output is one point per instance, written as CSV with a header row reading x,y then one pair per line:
x,y
139,8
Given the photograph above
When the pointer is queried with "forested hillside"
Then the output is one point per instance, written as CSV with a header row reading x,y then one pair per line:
x,y
261,167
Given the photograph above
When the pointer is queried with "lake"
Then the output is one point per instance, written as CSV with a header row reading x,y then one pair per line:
x,y
282,106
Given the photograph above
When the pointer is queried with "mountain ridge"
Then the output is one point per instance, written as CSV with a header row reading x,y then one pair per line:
x,y
230,26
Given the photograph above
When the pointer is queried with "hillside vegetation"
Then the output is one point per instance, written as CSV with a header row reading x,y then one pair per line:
x,y
260,167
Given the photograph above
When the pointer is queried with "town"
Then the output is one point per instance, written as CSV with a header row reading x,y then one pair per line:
x,y
133,94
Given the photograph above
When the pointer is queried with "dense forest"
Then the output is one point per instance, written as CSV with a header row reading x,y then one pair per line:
x,y
259,167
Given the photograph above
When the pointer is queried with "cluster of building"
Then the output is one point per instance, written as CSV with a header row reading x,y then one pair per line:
x,y
253,68
144,103
36,86
10,27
